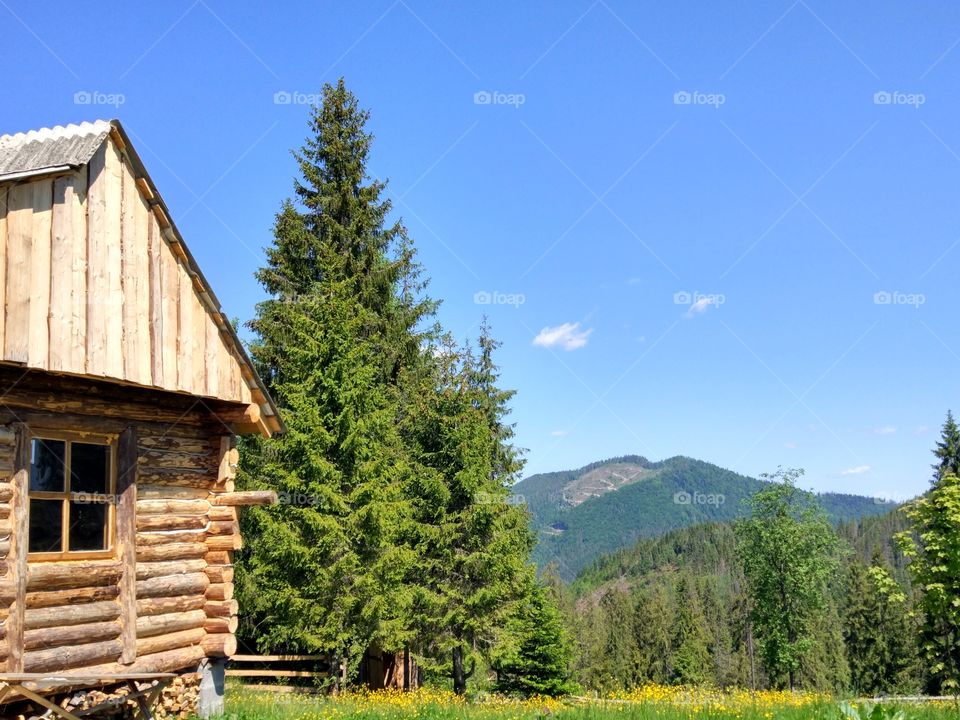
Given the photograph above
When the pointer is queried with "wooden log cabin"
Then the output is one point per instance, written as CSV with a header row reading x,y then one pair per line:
x,y
122,389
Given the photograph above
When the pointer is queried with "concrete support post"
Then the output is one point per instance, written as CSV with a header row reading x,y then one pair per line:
x,y
210,698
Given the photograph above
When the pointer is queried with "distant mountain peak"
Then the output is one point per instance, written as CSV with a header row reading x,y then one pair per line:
x,y
581,514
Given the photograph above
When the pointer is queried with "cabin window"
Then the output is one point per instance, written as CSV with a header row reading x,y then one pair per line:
x,y
71,497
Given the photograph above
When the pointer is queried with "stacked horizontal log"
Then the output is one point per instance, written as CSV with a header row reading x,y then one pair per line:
x,y
7,440
175,475
223,537
187,530
71,616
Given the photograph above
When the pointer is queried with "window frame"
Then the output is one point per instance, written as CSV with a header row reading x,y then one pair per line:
x,y
67,437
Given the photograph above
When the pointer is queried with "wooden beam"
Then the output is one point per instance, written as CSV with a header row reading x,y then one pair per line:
x,y
161,216
16,621
246,497
126,519
246,415
144,187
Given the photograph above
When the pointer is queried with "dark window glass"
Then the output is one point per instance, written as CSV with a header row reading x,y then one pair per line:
x,y
87,523
89,468
46,526
47,469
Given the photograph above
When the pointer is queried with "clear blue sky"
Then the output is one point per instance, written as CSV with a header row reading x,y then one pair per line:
x,y
786,160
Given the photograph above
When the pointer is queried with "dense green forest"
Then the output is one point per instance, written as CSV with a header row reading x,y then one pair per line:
x,y
675,609
659,497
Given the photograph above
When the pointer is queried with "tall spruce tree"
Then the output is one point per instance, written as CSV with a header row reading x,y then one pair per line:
x,y
877,631
948,449
789,552
473,544
328,569
537,662
691,652
652,635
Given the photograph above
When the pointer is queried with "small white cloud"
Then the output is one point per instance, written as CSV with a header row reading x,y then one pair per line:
x,y
922,430
559,433
634,281
858,470
569,336
790,445
700,306
885,430
813,427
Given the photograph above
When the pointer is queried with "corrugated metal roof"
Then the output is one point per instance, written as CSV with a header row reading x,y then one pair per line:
x,y
48,148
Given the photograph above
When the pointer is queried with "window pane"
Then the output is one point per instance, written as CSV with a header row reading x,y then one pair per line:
x,y
87,523
46,465
89,467
46,529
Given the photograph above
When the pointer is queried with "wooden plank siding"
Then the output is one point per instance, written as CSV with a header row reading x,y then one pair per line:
x,y
18,252
91,286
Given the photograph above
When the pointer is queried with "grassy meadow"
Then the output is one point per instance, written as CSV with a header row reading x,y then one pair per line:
x,y
646,703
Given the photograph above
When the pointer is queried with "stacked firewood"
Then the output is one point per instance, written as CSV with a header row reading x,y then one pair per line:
x,y
178,701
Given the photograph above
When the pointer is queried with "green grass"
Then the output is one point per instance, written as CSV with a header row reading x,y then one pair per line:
x,y
246,704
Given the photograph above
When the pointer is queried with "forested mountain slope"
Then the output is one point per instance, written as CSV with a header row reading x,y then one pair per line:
x,y
579,515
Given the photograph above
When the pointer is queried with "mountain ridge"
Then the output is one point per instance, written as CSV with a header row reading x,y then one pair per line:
x,y
579,515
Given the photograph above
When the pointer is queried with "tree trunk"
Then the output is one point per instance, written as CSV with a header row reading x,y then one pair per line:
x,y
334,669
459,676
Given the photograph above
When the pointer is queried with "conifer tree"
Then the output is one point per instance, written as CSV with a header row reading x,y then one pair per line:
x,y
877,631
691,654
948,449
652,635
538,662
327,569
473,544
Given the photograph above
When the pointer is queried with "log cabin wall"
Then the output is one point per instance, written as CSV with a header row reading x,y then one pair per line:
x,y
163,600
